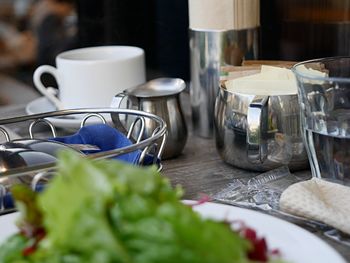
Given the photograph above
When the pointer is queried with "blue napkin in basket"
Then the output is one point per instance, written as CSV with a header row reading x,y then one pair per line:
x,y
104,137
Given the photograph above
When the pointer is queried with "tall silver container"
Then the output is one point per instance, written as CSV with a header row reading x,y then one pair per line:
x,y
211,49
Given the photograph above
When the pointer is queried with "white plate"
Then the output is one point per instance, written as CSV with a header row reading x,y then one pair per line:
x,y
296,244
42,105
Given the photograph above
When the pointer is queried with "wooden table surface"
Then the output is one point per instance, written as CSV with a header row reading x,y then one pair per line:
x,y
199,169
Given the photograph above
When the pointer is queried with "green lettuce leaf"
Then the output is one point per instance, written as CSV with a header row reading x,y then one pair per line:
x,y
108,211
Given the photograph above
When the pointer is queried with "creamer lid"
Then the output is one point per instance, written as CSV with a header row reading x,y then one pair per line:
x,y
158,88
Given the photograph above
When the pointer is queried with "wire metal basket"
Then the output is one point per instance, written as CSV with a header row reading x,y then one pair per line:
x,y
149,144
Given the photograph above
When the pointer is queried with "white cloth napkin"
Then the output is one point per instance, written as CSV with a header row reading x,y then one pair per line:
x,y
319,200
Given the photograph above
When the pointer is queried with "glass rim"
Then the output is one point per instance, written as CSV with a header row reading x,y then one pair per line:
x,y
329,79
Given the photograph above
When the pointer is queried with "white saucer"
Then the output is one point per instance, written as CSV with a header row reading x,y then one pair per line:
x,y
42,105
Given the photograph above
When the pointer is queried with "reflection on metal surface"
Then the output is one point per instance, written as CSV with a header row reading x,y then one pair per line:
x,y
162,98
259,133
256,117
209,51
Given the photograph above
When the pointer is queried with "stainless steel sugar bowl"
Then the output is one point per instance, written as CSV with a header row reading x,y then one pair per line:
x,y
257,132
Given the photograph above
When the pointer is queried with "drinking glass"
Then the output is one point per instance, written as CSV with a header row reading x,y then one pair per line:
x,y
324,97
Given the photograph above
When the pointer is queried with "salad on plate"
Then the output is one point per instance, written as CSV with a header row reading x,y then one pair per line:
x,y
108,211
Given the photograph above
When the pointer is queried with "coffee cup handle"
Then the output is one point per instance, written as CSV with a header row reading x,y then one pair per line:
x,y
48,92
256,128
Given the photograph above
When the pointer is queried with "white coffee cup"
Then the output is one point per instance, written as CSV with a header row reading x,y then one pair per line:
x,y
90,77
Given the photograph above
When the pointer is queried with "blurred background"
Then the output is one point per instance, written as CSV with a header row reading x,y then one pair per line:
x,y
33,32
